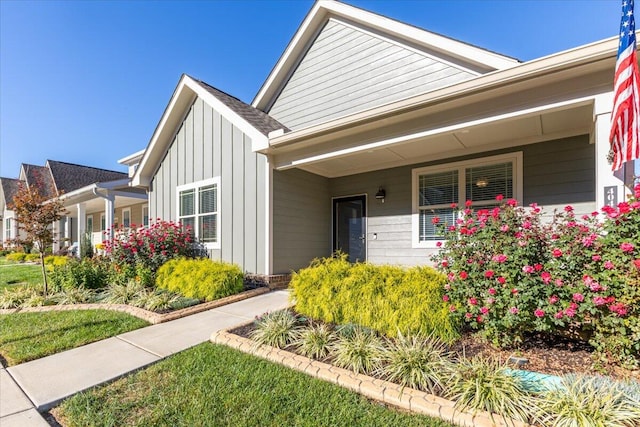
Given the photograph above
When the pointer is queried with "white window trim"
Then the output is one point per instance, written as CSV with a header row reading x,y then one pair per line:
x,y
142,224
515,158
195,186
103,220
86,223
130,222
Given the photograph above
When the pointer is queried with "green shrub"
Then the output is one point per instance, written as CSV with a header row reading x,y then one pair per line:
x,y
417,362
15,297
54,261
480,384
358,349
589,402
32,257
16,257
87,273
385,298
74,296
117,293
200,278
276,329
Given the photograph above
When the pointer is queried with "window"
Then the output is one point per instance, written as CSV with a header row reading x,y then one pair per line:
x,y
436,188
103,223
198,208
126,217
89,224
7,229
145,215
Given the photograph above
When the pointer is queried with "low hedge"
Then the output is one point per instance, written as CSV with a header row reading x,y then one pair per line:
x,y
202,278
16,257
388,299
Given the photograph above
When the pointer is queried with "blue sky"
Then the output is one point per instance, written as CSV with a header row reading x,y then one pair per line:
x,y
87,81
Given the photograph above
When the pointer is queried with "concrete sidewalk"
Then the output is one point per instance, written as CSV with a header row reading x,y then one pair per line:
x,y
40,384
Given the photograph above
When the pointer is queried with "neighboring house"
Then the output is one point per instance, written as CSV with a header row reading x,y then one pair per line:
x,y
94,198
368,128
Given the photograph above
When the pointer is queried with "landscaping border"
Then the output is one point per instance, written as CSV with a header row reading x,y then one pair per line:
x,y
383,391
149,316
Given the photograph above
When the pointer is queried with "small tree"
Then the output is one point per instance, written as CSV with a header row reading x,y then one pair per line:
x,y
35,214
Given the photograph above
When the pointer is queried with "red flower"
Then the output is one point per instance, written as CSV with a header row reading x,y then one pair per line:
x,y
557,253
627,247
472,301
463,275
538,313
489,274
499,197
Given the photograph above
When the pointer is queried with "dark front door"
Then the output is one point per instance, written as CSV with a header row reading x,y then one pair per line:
x,y
349,232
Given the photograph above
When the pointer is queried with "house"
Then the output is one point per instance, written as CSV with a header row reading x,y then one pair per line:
x,y
94,199
365,130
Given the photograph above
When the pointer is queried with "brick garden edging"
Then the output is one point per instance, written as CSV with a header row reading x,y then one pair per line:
x,y
149,316
384,391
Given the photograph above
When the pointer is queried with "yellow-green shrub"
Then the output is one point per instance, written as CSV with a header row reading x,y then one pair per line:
x,y
53,261
32,257
386,298
16,257
200,278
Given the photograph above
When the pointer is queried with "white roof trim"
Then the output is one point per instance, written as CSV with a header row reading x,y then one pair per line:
x,y
131,158
322,10
185,93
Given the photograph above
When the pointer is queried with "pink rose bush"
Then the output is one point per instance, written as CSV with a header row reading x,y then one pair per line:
x,y
572,274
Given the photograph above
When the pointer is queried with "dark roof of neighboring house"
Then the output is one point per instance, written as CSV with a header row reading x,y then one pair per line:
x,y
69,177
40,176
9,187
258,119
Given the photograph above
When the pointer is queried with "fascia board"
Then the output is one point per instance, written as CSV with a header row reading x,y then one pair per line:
x,y
553,63
131,158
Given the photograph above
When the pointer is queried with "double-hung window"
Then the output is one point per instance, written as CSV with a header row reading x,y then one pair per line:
x,y
198,209
438,191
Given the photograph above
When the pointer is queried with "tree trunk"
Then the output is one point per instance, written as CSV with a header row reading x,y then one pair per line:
x,y
44,274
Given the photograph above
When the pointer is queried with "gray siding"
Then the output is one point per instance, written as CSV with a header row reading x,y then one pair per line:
x,y
554,173
301,219
205,146
347,70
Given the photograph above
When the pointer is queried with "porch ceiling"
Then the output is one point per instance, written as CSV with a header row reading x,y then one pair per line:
x,y
97,205
508,130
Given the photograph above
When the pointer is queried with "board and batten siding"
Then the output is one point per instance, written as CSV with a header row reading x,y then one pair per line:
x,y
347,70
301,219
208,145
555,173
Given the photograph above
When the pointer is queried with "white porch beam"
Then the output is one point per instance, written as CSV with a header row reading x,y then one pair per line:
x,y
109,213
82,221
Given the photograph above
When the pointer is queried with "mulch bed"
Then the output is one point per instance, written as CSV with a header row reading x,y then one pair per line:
x,y
546,354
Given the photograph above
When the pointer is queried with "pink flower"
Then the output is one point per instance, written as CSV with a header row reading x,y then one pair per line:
x,y
514,291
557,253
546,277
626,247
468,315
502,280
435,220
472,301
538,267
513,310
528,269
570,312
599,300
538,313
454,205
489,274
491,300
568,208
522,243
512,202
447,286
500,258
464,275
468,203
609,265
451,277
577,297
479,319
553,299
596,258
445,263
438,244
559,315
499,197
492,291
452,308
484,310
504,228
445,298
619,308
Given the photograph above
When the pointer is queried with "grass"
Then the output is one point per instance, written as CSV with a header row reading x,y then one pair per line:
x,y
212,385
29,336
19,274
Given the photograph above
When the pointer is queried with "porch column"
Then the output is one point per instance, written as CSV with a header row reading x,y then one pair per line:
x,y
109,211
610,189
82,223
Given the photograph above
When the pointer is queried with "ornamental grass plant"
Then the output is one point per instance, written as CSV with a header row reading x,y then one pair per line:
x,y
358,349
276,329
315,341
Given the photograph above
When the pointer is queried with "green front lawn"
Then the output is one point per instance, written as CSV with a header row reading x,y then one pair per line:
x,y
29,336
19,274
212,385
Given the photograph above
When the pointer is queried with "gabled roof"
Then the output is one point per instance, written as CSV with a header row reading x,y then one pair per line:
x,y
256,124
474,58
39,176
68,176
9,188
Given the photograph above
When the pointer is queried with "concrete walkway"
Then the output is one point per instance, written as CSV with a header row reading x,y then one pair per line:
x,y
40,384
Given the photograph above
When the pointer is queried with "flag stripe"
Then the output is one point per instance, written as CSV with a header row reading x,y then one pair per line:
x,y
625,123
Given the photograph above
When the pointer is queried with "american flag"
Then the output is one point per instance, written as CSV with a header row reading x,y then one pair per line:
x,y
625,120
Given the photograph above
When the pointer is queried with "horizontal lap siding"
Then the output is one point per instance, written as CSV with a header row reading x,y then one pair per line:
x,y
347,70
301,219
207,145
544,183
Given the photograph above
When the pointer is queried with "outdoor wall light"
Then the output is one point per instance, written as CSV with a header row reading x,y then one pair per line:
x,y
380,195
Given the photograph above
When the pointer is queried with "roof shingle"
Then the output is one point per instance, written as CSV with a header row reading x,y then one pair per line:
x,y
69,177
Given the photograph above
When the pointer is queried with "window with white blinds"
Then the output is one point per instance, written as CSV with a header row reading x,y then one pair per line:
x,y
198,209
438,188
